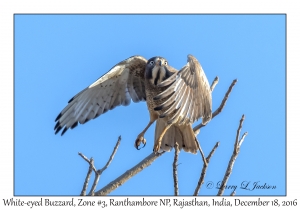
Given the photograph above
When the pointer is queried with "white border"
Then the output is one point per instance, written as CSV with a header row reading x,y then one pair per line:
x,y
9,8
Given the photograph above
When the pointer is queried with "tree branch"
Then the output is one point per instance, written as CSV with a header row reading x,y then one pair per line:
x,y
242,139
96,180
222,105
111,156
201,152
97,172
128,174
175,177
88,176
204,168
224,99
235,153
214,83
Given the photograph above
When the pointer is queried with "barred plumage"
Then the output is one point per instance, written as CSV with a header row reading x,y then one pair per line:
x,y
174,98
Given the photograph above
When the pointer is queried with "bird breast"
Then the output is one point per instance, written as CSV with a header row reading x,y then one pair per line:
x,y
152,91
158,74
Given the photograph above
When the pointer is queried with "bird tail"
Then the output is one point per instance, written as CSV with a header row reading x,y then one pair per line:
x,y
183,135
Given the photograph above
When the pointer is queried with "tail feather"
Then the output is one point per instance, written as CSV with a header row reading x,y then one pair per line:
x,y
183,135
189,139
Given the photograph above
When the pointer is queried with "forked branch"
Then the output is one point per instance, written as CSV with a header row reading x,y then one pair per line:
x,y
88,176
236,150
97,172
204,168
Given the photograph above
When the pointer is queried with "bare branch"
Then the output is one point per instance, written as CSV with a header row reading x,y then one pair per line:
x,y
111,156
99,172
128,174
233,193
242,139
96,180
236,145
224,99
197,128
214,83
204,168
88,176
175,169
201,152
84,157
233,157
212,151
88,160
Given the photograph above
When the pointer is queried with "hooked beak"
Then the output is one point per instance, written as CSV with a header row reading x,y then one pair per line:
x,y
158,62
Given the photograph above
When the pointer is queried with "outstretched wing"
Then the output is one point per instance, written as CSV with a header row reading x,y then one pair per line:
x,y
188,96
123,83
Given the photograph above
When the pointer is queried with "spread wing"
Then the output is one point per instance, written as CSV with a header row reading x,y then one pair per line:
x,y
123,83
188,96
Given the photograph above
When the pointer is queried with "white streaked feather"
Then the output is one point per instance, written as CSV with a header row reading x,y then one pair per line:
x,y
116,71
131,90
193,95
106,93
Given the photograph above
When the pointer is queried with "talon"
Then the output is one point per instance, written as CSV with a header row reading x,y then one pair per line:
x,y
144,142
138,142
156,147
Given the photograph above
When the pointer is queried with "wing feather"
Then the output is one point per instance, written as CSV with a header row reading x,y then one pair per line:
x,y
193,95
121,84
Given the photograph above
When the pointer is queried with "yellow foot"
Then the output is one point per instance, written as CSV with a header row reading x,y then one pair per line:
x,y
140,139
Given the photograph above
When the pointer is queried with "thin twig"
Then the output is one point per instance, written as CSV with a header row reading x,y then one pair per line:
x,y
242,139
88,160
111,156
201,152
214,83
197,128
99,172
88,176
233,193
212,151
224,99
128,174
204,168
235,153
175,177
96,180
236,143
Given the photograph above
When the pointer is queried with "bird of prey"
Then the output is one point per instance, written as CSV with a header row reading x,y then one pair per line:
x,y
175,99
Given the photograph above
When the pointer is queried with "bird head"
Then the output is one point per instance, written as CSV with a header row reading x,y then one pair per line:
x,y
157,70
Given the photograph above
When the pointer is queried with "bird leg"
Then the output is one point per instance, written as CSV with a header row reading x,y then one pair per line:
x,y
140,139
158,141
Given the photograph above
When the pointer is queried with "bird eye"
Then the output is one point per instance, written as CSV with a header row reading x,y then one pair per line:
x,y
151,63
166,63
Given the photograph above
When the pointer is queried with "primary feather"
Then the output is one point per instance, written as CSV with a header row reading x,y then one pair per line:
x,y
120,85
